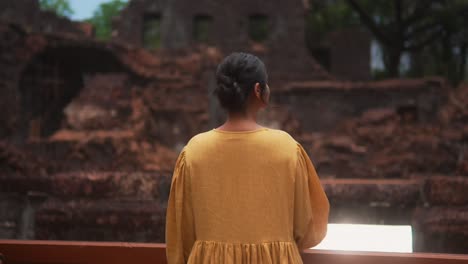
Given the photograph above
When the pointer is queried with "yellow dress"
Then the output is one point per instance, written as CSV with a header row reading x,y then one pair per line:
x,y
244,197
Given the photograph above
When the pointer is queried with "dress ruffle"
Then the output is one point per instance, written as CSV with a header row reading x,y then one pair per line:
x,y
214,252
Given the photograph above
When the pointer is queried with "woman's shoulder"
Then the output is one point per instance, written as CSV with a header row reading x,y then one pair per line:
x,y
281,139
281,134
200,137
266,132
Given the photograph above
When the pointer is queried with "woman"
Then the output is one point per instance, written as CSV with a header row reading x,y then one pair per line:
x,y
243,193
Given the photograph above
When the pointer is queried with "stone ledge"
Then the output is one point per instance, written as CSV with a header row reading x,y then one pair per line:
x,y
375,193
441,229
385,85
147,185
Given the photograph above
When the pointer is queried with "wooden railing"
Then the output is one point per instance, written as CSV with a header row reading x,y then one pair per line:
x,y
66,252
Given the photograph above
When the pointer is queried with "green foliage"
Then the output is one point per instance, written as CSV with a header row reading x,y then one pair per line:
x,y
450,50
102,18
328,16
447,54
60,7
324,17
433,33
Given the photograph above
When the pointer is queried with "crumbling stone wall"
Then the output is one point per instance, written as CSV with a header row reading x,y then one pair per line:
x,y
16,50
320,106
384,143
39,202
113,129
45,73
441,224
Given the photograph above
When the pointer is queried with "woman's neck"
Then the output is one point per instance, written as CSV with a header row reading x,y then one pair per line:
x,y
241,122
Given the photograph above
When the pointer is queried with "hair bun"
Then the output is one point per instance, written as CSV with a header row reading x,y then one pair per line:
x,y
235,78
229,91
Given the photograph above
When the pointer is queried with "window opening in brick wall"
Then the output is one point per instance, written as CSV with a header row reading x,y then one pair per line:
x,y
258,27
152,31
202,28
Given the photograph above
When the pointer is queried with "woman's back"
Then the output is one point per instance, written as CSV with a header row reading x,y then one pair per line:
x,y
244,197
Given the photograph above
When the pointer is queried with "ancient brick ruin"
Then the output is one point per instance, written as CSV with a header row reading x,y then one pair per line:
x,y
273,30
91,130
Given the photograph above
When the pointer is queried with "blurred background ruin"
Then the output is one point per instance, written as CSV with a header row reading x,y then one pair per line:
x,y
97,98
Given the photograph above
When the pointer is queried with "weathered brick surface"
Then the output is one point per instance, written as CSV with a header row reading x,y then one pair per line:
x,y
101,220
284,52
96,185
441,229
447,191
322,105
160,89
373,193
392,144
85,206
11,207
350,54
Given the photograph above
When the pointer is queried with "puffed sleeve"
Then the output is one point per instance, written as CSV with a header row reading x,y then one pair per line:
x,y
180,234
311,205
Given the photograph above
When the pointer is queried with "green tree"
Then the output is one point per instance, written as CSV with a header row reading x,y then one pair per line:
x,y
433,33
450,50
102,18
60,7
409,26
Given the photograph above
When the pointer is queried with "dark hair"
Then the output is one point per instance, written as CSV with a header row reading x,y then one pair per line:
x,y
236,75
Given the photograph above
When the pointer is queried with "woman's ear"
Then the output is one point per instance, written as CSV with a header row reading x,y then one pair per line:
x,y
258,91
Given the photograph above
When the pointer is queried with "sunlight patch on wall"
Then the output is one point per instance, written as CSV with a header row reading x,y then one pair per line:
x,y
377,238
